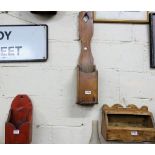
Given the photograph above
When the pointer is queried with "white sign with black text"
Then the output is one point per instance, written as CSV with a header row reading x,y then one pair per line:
x,y
23,43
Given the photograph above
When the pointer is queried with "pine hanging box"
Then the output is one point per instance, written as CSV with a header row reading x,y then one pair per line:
x,y
18,127
87,75
129,124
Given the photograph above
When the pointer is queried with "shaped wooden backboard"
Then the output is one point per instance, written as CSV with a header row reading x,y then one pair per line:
x,y
18,127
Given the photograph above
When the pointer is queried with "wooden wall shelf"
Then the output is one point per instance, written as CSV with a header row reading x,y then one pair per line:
x,y
18,127
130,124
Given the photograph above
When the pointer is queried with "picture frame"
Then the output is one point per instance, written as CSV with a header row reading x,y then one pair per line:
x,y
135,17
152,39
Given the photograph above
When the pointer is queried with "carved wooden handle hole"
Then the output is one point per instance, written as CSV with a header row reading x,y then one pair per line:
x,y
86,18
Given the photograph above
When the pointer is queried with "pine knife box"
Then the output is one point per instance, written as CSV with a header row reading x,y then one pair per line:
x,y
130,124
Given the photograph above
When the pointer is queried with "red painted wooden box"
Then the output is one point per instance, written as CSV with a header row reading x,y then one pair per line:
x,y
18,127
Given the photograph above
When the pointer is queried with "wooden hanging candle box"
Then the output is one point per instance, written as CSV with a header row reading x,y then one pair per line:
x,y
87,75
130,124
18,127
87,87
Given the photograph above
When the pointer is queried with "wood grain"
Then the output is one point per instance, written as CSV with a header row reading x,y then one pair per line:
x,y
87,75
86,61
130,124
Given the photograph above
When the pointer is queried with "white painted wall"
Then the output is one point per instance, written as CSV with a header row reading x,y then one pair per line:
x,y
121,54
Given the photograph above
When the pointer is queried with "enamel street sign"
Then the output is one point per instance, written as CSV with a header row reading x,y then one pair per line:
x,y
23,43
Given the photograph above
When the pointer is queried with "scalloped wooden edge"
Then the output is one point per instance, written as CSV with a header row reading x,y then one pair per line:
x,y
128,107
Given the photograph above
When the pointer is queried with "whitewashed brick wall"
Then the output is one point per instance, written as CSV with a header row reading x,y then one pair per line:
x,y
121,54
